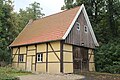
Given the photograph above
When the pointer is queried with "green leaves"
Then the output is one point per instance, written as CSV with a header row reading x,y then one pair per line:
x,y
31,12
11,24
109,60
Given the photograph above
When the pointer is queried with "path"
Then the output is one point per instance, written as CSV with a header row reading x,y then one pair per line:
x,y
47,76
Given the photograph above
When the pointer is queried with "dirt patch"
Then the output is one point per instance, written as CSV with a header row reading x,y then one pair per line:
x,y
100,76
46,76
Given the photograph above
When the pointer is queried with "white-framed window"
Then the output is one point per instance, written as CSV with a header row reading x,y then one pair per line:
x,y
78,26
20,57
85,28
39,57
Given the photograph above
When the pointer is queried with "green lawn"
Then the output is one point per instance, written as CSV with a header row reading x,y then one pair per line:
x,y
8,73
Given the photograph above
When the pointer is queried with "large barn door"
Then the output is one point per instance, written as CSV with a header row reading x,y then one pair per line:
x,y
80,59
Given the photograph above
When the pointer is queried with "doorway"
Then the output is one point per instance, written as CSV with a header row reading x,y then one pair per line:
x,y
29,63
80,59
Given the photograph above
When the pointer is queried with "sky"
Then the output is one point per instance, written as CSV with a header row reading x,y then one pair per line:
x,y
49,6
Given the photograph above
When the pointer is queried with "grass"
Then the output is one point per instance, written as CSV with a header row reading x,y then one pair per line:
x,y
8,73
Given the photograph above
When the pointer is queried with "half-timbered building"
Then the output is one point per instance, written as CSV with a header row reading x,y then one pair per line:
x,y
62,42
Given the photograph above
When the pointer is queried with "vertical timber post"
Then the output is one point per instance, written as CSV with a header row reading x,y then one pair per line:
x,y
26,58
18,56
46,57
11,51
61,56
35,56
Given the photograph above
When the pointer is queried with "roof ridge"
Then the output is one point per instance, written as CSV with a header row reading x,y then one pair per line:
x,y
57,13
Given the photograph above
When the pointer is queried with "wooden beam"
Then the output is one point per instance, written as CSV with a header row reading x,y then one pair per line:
x,y
15,53
90,55
73,57
18,56
35,56
31,63
26,58
61,56
11,49
89,59
54,51
46,57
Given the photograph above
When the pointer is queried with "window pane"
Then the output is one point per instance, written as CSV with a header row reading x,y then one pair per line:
x,y
21,58
78,26
85,29
39,57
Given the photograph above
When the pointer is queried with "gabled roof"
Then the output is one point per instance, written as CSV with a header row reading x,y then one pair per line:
x,y
51,28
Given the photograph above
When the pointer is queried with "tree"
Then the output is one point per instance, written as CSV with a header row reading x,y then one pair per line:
x,y
11,24
7,29
31,12
107,57
35,10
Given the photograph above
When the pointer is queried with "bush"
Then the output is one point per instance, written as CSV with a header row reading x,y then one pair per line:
x,y
8,73
107,57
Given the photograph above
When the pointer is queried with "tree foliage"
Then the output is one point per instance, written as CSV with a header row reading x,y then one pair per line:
x,y
107,57
31,12
7,29
105,18
11,23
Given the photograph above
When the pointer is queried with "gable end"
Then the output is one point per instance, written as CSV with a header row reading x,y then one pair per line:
x,y
82,8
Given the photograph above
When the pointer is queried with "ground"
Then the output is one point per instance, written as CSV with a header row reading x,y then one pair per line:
x,y
46,76
8,73
100,76
86,76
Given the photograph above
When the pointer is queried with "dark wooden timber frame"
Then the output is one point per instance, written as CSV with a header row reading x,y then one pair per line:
x,y
46,52
90,55
46,57
26,57
61,56
15,53
54,51
48,44
35,56
18,57
73,57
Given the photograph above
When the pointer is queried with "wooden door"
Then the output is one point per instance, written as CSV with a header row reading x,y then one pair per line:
x,y
80,59
85,61
77,58
29,63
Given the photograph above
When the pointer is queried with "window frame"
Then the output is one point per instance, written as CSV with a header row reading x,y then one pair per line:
x,y
85,28
21,58
40,57
78,26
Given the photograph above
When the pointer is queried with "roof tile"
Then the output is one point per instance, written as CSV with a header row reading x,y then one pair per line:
x,y
49,28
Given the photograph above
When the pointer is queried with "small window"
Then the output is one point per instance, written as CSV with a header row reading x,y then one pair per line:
x,y
39,57
85,29
78,25
21,57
